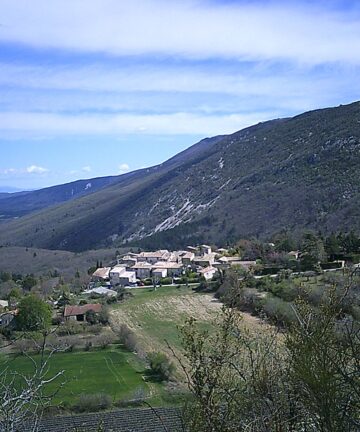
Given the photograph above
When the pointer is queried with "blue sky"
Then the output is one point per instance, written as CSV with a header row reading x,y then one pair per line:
x,y
100,87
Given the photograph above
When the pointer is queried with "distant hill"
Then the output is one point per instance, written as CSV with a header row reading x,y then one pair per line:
x,y
17,259
296,173
22,203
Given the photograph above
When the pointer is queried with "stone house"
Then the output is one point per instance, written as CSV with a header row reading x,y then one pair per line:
x,y
77,313
101,274
208,272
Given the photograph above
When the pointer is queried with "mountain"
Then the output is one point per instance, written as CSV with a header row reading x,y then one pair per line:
x,y
14,206
294,173
22,203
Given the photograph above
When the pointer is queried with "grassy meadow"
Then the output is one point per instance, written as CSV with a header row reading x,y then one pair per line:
x,y
155,316
113,371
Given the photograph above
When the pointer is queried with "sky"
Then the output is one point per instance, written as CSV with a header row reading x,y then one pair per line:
x,y
92,88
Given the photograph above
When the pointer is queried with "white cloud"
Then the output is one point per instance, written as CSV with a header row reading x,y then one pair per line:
x,y
86,169
32,169
35,169
245,80
124,168
285,41
311,33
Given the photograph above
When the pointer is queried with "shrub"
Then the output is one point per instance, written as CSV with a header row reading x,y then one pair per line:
x,y
92,402
71,328
70,343
278,311
166,281
127,337
94,329
91,317
24,345
160,365
193,280
105,339
88,345
104,315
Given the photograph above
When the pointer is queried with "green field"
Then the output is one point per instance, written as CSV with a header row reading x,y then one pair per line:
x,y
155,316
113,371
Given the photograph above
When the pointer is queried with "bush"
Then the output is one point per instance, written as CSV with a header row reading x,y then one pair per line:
x,y
193,280
127,337
71,328
136,399
70,343
92,402
88,346
166,281
278,311
105,339
160,365
104,315
91,317
24,345
94,329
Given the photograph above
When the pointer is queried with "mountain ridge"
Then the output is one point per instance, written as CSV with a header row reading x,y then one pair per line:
x,y
293,173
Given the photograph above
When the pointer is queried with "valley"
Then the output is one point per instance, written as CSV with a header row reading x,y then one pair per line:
x,y
95,308
297,173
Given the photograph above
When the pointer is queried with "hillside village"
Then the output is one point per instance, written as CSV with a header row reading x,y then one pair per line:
x,y
163,266
131,270
187,267
192,266
180,216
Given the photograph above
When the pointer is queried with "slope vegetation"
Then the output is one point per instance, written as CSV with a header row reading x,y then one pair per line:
x,y
295,173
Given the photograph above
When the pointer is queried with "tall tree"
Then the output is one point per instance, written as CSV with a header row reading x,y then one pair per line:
x,y
34,314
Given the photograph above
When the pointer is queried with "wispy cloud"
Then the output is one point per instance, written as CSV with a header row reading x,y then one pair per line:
x,y
35,169
188,77
32,169
304,32
160,73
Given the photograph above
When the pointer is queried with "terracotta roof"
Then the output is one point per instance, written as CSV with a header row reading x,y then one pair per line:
x,y
245,264
167,265
158,270
81,310
207,269
141,265
207,257
102,272
118,269
156,254
127,274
